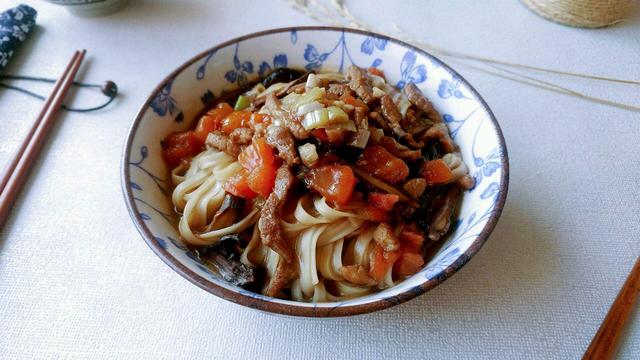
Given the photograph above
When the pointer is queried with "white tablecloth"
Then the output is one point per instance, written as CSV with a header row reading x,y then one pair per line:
x,y
76,279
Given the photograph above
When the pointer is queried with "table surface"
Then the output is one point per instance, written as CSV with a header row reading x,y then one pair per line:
x,y
76,279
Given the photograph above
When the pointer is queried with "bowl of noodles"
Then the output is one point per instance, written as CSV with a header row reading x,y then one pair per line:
x,y
315,171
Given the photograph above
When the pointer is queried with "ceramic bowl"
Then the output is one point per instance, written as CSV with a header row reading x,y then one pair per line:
x,y
176,101
91,8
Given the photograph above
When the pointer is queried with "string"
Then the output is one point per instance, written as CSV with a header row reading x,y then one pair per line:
x,y
109,89
349,19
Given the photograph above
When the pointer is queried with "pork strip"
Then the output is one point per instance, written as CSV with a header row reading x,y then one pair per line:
x,y
269,222
442,218
281,138
393,146
440,132
241,136
359,82
357,275
273,108
391,115
221,142
339,89
416,98
285,272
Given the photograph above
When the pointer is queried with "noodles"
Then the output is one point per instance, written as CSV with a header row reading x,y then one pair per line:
x,y
198,195
308,180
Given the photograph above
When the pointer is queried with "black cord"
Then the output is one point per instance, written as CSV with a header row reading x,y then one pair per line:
x,y
109,89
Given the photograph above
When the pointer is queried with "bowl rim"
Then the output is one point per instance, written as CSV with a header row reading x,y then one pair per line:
x,y
292,309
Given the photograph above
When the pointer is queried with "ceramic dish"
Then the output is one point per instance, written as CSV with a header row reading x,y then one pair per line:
x,y
177,100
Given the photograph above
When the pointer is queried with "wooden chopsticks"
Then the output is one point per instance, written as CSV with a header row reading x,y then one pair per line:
x,y
605,342
16,171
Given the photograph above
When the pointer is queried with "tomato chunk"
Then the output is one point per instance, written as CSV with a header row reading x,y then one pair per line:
x,y
262,179
383,201
334,182
320,134
236,119
211,121
180,146
408,264
381,163
375,71
348,99
260,162
238,185
259,119
374,214
436,172
381,261
411,240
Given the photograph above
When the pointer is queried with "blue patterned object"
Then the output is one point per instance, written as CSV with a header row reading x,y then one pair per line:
x,y
224,68
15,25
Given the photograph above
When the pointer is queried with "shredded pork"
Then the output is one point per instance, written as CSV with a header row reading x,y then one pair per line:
x,y
359,82
281,138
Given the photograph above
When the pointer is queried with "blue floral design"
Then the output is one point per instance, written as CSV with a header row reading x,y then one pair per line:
x,y
371,43
449,89
409,72
164,103
490,191
454,124
315,59
207,98
294,36
177,243
161,242
160,183
485,166
146,216
240,69
144,153
203,67
279,61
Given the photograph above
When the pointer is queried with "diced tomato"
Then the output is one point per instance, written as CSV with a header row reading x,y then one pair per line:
x,y
375,214
381,163
408,264
236,119
260,162
348,99
238,185
212,120
257,153
180,146
262,179
383,201
436,172
259,119
334,182
381,261
357,196
412,241
375,71
326,160
320,134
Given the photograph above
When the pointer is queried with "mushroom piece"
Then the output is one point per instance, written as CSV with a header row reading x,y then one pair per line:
x,y
223,257
228,212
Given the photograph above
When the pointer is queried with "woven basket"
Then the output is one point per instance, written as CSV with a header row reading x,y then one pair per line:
x,y
582,13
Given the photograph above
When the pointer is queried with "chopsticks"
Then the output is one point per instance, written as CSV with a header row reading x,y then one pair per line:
x,y
16,171
604,343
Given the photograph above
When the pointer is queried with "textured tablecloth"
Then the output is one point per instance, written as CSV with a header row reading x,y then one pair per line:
x,y
77,281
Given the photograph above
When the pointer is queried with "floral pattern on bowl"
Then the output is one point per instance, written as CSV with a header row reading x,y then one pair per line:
x,y
176,102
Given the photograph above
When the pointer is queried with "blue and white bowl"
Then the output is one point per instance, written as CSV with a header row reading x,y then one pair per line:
x,y
91,8
179,98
